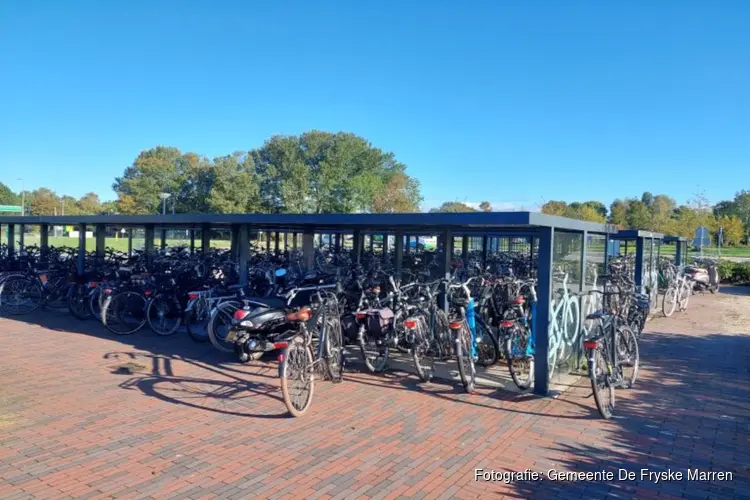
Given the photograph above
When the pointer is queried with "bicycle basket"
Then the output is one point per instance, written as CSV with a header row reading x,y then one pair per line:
x,y
379,321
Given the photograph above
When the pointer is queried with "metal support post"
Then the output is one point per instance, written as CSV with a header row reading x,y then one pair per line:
x,y
541,320
21,244
11,239
294,241
308,249
584,246
276,243
358,246
44,240
678,253
640,248
465,250
81,258
243,250
445,264
149,243
163,236
398,254
205,238
192,241
268,242
130,241
101,234
606,252
485,242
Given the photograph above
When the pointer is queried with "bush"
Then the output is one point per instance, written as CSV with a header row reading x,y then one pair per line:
x,y
734,272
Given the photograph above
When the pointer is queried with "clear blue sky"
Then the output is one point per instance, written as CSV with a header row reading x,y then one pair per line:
x,y
511,102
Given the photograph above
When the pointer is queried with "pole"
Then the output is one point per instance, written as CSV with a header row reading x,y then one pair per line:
x,y
164,206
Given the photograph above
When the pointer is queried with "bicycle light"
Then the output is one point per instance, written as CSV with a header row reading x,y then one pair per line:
x,y
590,344
240,314
410,323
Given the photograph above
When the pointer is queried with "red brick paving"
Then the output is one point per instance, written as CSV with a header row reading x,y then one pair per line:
x,y
191,424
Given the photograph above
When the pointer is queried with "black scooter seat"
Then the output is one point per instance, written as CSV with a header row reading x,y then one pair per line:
x,y
267,302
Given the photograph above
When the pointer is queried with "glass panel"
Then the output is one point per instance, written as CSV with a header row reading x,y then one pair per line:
x,y
565,323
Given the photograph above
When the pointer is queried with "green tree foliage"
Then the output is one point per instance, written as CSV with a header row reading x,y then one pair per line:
x,y
316,172
618,212
485,206
555,208
8,197
90,204
453,207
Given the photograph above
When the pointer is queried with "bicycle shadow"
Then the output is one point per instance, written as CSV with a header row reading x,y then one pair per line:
x,y
225,393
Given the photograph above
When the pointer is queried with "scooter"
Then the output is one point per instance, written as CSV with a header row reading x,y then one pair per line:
x,y
705,275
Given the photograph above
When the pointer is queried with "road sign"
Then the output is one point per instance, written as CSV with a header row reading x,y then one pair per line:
x,y
11,208
702,237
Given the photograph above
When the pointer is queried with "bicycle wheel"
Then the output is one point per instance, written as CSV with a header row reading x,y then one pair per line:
x,y
669,302
96,301
220,324
56,294
423,351
296,375
685,295
334,348
196,323
20,295
78,302
163,315
604,390
488,350
520,363
627,356
466,369
375,353
125,313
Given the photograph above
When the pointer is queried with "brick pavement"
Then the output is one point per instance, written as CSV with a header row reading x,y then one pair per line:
x,y
84,414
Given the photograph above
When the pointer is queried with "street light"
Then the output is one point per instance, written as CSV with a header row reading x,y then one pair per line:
x,y
164,197
23,197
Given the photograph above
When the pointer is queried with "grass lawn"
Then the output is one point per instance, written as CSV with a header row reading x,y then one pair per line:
x,y
120,244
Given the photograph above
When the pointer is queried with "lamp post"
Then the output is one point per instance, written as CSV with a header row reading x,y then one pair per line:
x,y
164,197
23,197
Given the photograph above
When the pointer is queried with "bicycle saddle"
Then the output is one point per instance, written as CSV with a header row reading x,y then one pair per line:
x,y
596,315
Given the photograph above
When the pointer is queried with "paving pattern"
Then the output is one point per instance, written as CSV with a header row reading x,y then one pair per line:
x,y
84,414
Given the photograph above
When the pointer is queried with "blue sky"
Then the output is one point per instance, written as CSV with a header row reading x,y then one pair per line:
x,y
511,102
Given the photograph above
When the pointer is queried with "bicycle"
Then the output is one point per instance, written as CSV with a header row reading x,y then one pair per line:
x,y
611,349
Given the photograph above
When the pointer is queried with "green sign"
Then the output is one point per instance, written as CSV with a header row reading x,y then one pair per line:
x,y
11,208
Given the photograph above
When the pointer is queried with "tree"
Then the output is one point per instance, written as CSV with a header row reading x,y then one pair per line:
x,y
485,206
154,171
555,208
638,215
7,196
234,188
742,209
400,194
600,208
618,212
89,204
647,198
453,207
43,201
733,229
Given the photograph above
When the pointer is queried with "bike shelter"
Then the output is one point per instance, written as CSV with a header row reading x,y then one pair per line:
x,y
567,254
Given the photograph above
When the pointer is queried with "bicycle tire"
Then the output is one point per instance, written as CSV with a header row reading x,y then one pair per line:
x,y
487,345
112,312
379,362
687,291
161,300
601,385
334,349
466,369
629,343
196,324
12,285
672,296
221,317
515,353
295,364
78,302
